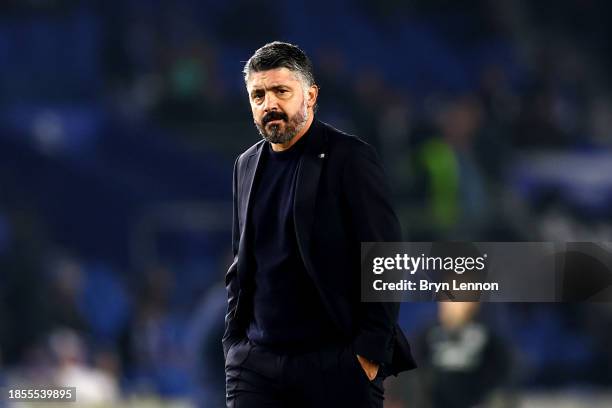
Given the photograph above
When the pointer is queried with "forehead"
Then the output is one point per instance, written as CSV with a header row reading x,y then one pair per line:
x,y
273,77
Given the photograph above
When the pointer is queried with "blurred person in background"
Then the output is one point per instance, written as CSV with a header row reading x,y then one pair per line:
x,y
296,333
65,289
156,341
93,385
205,329
463,361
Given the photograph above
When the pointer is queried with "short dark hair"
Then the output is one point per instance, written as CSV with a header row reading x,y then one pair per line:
x,y
279,54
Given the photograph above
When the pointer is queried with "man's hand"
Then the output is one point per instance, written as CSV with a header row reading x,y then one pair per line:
x,y
370,368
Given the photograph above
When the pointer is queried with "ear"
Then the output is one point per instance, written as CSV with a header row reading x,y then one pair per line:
x,y
313,93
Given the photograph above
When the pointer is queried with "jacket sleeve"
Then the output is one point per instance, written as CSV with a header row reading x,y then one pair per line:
x,y
233,332
373,220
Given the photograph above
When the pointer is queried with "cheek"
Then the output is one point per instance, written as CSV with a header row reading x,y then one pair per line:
x,y
293,107
257,113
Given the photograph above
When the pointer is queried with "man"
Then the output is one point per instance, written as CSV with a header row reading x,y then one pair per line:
x,y
305,197
464,362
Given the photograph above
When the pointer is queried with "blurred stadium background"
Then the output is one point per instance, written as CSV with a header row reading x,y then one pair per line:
x,y
119,123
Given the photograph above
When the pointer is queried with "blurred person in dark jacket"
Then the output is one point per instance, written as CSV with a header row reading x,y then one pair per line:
x,y
463,361
305,197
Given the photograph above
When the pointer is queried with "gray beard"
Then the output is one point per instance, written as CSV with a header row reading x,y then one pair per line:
x,y
275,134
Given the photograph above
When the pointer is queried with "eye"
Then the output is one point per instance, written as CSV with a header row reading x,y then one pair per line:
x,y
257,97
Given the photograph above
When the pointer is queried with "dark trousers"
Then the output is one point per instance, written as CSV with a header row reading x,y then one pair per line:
x,y
332,377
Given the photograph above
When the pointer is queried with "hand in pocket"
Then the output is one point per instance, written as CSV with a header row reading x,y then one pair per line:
x,y
369,367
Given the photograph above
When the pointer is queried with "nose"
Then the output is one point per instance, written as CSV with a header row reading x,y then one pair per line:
x,y
270,102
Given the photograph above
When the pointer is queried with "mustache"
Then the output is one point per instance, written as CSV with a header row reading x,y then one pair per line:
x,y
273,115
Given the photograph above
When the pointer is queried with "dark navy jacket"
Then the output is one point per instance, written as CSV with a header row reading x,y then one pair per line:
x,y
341,199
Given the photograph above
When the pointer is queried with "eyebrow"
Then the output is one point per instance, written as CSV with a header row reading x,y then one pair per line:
x,y
274,88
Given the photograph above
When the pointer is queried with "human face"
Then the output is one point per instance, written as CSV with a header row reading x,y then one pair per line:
x,y
281,105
